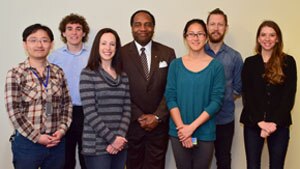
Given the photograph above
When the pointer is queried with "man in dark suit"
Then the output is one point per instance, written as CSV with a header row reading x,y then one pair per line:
x,y
148,131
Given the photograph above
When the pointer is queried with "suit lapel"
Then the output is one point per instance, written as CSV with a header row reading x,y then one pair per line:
x,y
154,60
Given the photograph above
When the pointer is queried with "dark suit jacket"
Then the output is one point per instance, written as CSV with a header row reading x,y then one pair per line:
x,y
147,97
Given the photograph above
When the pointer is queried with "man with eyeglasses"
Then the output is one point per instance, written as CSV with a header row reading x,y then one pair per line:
x,y
72,58
38,104
146,64
232,61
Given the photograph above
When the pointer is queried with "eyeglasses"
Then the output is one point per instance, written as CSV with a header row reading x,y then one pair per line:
x,y
192,34
35,41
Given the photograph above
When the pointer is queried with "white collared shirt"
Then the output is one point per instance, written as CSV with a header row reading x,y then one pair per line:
x,y
147,52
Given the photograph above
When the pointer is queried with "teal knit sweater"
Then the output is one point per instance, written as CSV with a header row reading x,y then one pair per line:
x,y
193,93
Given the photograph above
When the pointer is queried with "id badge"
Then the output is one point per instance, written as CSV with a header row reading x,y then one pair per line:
x,y
194,141
49,108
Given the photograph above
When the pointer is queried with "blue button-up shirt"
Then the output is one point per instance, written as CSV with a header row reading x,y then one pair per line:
x,y
72,65
233,64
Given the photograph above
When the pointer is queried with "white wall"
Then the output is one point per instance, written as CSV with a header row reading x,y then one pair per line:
x,y
171,16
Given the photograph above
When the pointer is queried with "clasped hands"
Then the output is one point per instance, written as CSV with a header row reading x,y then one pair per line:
x,y
267,128
117,145
185,135
50,140
148,121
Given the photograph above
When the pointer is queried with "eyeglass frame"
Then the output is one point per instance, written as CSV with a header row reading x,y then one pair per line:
x,y
36,40
193,35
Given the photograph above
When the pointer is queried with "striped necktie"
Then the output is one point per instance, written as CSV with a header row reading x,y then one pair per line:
x,y
144,62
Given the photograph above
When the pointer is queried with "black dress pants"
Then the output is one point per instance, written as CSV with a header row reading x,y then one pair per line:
x,y
74,138
147,150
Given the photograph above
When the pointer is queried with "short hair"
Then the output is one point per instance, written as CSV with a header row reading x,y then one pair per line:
x,y
94,59
190,22
34,28
142,11
73,19
217,11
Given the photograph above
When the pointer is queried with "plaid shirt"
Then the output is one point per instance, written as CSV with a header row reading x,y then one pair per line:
x,y
25,98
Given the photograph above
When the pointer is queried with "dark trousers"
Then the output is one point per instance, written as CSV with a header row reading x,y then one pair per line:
x,y
277,146
147,150
223,143
197,157
74,138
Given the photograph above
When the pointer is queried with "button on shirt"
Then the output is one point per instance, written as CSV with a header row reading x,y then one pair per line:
x,y
25,98
72,65
233,64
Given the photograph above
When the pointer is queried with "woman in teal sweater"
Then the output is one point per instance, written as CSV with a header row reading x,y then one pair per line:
x,y
194,93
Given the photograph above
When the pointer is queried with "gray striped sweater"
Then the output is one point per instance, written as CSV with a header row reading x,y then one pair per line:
x,y
106,111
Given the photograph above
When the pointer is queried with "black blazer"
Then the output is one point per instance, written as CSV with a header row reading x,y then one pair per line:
x,y
147,96
264,101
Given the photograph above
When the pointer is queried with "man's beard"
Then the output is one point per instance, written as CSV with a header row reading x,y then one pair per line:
x,y
216,40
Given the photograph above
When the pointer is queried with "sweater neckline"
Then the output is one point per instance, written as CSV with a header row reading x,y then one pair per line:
x,y
113,82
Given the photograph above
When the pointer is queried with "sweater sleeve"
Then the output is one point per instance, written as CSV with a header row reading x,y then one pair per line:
x,y
88,98
125,120
217,92
171,89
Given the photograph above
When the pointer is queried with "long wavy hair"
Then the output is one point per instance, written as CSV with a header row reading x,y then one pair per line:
x,y
273,73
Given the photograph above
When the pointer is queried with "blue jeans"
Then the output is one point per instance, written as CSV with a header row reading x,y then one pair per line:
x,y
223,143
29,155
277,146
106,161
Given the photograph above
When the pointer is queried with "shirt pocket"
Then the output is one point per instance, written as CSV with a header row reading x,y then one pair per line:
x,y
56,88
30,92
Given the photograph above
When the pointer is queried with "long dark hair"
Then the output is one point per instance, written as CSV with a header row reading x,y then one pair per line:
x,y
273,73
94,61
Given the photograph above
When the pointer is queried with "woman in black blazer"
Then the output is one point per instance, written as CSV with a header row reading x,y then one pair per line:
x,y
269,86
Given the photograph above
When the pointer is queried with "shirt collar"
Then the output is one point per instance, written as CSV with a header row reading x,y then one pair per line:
x,y
27,64
147,47
65,49
223,47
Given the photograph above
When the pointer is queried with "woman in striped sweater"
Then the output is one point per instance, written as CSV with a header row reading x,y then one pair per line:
x,y
104,91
